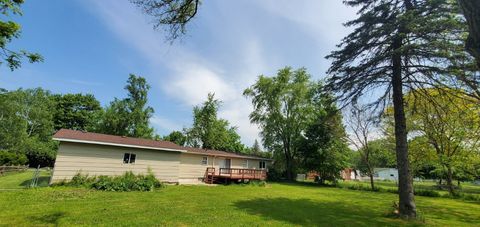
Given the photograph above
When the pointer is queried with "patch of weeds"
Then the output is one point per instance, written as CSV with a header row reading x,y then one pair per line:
x,y
126,182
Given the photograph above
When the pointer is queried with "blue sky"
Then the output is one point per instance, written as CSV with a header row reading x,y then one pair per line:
x,y
92,46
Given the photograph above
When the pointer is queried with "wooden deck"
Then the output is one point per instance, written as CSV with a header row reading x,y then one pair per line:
x,y
225,175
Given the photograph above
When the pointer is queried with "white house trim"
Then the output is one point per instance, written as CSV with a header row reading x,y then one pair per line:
x,y
117,144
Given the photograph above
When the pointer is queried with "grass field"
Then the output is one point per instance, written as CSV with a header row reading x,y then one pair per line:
x,y
466,187
278,204
19,180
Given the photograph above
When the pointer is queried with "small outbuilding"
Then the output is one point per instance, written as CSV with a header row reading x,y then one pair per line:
x,y
385,174
100,154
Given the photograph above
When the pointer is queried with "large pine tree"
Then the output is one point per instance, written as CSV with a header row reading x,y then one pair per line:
x,y
396,46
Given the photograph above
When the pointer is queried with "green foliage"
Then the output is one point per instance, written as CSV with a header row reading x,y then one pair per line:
x,y
445,125
210,132
323,148
12,159
27,125
75,111
283,107
176,137
10,30
174,14
126,182
129,116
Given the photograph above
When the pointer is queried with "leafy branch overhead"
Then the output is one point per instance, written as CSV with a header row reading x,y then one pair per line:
x,y
10,30
173,14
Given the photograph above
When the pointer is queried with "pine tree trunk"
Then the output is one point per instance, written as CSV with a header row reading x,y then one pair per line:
x,y
471,11
406,204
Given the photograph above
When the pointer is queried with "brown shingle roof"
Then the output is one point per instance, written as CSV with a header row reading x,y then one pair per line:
x,y
79,136
104,138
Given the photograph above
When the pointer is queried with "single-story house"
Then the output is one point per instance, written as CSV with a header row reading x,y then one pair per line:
x,y
351,174
385,174
101,154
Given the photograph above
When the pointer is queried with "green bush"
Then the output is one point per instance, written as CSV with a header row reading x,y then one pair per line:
x,y
12,159
126,182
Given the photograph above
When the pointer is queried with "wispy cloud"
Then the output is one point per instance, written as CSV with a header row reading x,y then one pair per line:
x,y
227,53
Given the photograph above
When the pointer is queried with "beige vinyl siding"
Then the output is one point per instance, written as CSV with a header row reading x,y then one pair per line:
x,y
108,160
191,168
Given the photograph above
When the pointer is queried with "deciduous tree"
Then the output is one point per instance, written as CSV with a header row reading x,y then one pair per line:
x,y
129,116
283,108
74,111
176,137
210,132
10,30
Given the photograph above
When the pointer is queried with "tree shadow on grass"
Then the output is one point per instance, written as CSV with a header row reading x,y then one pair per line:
x,y
42,182
309,213
52,218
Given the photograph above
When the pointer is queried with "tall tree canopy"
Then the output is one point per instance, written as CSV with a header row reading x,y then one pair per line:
x,y
129,116
398,45
75,111
210,132
282,107
26,126
323,146
10,30
449,122
176,137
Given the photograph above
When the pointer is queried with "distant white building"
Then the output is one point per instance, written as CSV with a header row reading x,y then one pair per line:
x,y
385,174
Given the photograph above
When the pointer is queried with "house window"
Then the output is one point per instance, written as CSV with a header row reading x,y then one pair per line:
x,y
205,160
129,158
245,164
262,165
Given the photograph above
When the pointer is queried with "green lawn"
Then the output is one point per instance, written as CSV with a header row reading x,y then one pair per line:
x,y
466,187
277,204
19,180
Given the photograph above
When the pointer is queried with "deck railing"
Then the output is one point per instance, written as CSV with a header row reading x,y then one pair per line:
x,y
243,173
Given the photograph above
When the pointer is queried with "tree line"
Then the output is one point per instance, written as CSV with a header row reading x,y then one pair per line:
x,y
399,54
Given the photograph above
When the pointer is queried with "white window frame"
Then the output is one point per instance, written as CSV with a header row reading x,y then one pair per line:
x,y
264,165
245,163
204,160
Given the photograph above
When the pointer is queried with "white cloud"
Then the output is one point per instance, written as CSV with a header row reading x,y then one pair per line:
x,y
192,82
322,19
188,73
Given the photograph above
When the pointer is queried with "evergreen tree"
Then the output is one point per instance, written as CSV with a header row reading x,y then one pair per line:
x,y
397,46
256,150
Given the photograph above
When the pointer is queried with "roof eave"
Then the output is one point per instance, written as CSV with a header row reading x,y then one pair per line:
x,y
117,144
